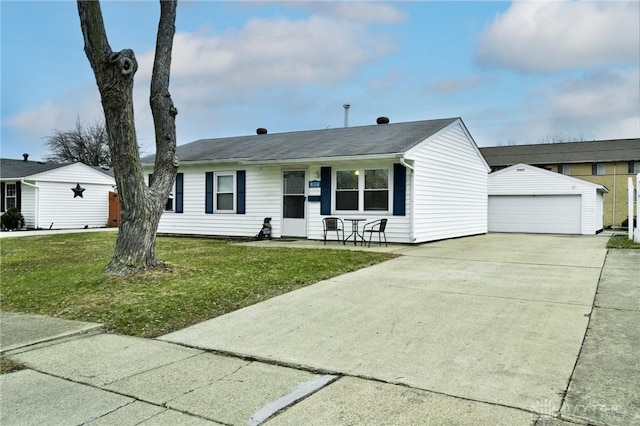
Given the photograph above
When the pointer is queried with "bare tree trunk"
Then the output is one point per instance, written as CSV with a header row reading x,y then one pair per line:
x,y
141,206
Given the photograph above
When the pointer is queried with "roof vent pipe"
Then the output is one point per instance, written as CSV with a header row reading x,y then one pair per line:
x,y
26,156
346,114
261,131
382,120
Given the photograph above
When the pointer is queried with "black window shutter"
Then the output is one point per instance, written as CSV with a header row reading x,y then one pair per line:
x,y
325,191
208,198
19,196
631,167
399,189
179,192
241,179
1,196
594,169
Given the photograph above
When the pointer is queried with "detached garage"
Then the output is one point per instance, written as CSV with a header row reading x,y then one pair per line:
x,y
524,198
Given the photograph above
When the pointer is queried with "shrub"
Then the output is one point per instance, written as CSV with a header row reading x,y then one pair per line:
x,y
12,219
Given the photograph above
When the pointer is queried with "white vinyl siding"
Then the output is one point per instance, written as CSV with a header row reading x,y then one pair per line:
x,y
58,208
525,180
263,198
28,205
450,187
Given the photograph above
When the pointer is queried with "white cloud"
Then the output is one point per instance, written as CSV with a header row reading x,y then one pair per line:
x,y
356,11
600,105
543,36
209,70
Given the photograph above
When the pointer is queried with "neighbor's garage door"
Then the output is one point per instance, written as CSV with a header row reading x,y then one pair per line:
x,y
552,214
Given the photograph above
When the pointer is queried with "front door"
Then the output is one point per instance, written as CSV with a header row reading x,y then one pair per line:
x,y
294,206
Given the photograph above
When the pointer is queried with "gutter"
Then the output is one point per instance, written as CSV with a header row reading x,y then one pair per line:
x,y
279,162
403,161
36,218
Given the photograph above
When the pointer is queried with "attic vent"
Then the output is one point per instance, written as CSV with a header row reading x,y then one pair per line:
x,y
520,170
261,131
26,156
382,120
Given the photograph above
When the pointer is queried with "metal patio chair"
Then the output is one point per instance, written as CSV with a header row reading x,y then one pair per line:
x,y
331,224
376,227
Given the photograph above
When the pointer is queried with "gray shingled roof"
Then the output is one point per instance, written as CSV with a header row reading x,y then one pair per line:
x,y
326,143
16,169
19,168
568,152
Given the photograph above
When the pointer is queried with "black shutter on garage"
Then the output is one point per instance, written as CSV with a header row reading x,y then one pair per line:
x,y
2,196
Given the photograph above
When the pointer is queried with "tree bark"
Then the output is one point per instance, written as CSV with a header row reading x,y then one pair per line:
x,y
141,205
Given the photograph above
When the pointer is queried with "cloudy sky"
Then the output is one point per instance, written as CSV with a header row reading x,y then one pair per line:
x,y
516,72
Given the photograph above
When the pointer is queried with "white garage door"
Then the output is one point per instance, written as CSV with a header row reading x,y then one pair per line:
x,y
552,214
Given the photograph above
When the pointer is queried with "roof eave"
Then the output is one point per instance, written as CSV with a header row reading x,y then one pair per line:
x,y
309,160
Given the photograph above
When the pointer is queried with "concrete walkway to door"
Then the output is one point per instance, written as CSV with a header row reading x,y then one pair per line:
x,y
497,318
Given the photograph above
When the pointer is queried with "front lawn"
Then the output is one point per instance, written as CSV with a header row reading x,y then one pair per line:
x,y
62,276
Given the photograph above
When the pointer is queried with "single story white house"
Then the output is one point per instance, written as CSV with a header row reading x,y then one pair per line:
x,y
524,198
56,196
427,178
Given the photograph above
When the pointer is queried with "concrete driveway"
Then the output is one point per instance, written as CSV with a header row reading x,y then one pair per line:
x,y
496,318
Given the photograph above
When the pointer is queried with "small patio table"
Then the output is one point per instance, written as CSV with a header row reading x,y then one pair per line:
x,y
355,231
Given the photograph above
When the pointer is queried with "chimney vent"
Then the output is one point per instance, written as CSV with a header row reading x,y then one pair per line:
x,y
26,156
261,131
382,120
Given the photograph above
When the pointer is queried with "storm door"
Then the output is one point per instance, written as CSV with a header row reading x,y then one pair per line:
x,y
294,206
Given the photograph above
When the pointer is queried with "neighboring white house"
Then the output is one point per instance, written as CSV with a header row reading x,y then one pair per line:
x,y
56,196
427,178
524,198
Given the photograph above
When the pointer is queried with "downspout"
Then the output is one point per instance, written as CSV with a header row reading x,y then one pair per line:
x,y
411,205
36,206
615,191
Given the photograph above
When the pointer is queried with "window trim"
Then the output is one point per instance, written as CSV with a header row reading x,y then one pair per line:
x,y
7,197
598,169
234,192
361,172
564,169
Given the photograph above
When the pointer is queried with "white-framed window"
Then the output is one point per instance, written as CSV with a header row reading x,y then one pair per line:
x,y
10,196
363,189
597,169
224,188
564,169
634,167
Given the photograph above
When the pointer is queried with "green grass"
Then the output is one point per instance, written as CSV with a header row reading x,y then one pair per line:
x,y
622,242
62,276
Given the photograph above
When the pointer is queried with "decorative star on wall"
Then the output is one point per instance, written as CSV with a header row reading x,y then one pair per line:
x,y
77,191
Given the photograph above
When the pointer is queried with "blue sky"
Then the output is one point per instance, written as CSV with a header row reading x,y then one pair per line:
x,y
516,72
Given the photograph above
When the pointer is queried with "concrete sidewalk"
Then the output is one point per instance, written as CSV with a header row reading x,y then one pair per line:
x,y
480,330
